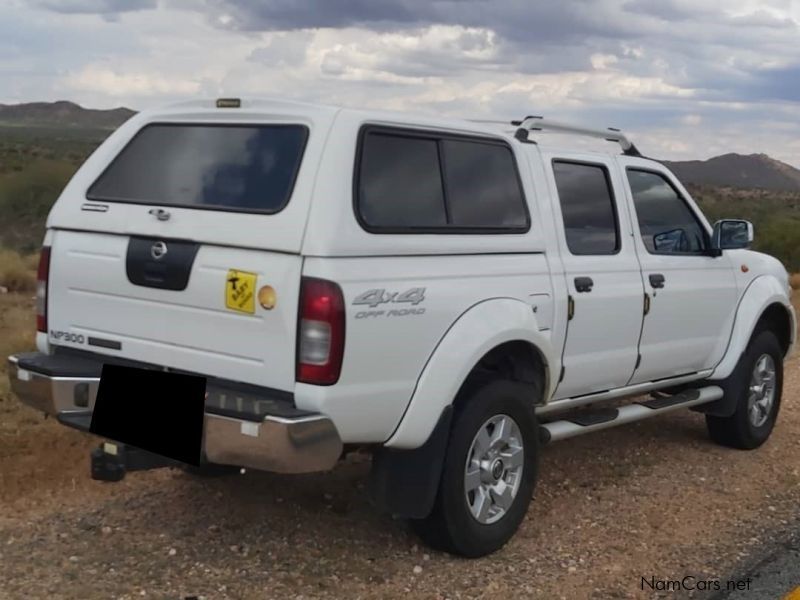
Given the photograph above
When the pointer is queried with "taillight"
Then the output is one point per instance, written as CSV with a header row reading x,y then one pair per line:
x,y
320,344
42,274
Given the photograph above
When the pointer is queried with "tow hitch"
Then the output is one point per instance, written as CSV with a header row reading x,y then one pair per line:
x,y
112,460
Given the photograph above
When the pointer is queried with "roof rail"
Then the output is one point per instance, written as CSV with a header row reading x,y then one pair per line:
x,y
536,123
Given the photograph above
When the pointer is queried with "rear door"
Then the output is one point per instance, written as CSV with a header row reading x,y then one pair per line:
x,y
602,274
692,295
183,251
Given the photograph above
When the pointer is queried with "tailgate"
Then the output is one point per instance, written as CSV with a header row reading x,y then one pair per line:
x,y
215,325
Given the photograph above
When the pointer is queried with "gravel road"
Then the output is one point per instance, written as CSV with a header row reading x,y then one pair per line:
x,y
651,501
776,575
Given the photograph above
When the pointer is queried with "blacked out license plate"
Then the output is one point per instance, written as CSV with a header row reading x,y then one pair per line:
x,y
157,411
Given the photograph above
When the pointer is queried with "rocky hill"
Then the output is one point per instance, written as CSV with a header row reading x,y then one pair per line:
x,y
62,114
737,170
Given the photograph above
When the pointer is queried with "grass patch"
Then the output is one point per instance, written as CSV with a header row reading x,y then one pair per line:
x,y
17,272
17,325
17,334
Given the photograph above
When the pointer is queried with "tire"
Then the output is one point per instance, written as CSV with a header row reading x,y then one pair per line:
x,y
750,426
493,409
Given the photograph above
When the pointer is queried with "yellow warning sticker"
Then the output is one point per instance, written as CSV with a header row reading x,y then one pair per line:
x,y
240,291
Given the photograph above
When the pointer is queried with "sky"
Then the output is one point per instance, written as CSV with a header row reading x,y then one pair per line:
x,y
685,78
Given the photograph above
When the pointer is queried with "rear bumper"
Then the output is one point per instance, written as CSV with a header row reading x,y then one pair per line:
x,y
282,439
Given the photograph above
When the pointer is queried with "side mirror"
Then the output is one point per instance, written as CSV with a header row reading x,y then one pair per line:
x,y
730,234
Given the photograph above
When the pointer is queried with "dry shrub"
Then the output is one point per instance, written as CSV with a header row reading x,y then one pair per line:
x,y
17,328
32,261
16,273
794,281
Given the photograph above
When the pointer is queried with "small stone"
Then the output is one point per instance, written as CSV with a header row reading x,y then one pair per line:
x,y
106,530
3,289
417,570
172,552
572,569
426,557
73,558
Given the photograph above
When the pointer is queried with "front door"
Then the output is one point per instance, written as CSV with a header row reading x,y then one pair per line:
x,y
602,275
692,295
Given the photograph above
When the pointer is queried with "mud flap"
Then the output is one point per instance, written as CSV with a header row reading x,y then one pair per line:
x,y
731,388
405,482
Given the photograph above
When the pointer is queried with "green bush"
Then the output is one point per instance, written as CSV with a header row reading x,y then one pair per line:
x,y
780,237
25,199
775,216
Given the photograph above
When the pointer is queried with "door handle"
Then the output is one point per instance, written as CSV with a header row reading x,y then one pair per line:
x,y
657,280
583,284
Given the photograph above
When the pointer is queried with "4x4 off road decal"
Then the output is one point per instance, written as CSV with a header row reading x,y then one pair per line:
x,y
240,291
376,297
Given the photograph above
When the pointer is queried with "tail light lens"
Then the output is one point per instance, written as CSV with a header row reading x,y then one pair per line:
x,y
42,273
320,344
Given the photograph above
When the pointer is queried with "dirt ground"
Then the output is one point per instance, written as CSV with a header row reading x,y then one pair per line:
x,y
654,499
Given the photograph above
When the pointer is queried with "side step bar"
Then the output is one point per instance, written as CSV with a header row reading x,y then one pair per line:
x,y
588,421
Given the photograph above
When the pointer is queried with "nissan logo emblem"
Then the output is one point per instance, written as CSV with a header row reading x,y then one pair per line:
x,y
158,250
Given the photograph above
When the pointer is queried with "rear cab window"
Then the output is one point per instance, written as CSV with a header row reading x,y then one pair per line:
x,y
410,181
243,168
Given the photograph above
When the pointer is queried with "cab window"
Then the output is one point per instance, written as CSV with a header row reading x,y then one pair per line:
x,y
587,207
666,223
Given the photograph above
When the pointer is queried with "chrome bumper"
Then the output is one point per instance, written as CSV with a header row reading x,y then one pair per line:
x,y
279,444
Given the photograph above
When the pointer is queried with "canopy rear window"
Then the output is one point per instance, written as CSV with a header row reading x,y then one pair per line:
x,y
248,168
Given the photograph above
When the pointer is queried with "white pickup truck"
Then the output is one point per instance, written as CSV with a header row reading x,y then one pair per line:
x,y
447,294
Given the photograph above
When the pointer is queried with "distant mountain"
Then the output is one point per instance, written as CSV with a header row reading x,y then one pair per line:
x,y
738,170
62,114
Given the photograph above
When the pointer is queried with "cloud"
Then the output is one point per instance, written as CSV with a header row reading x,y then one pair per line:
x,y
102,7
518,20
672,10
104,80
684,76
692,120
